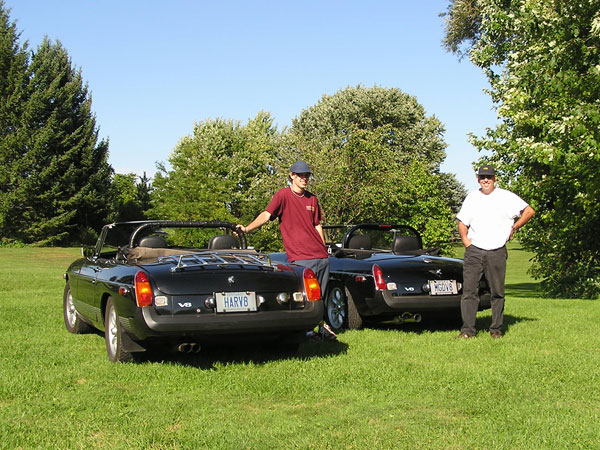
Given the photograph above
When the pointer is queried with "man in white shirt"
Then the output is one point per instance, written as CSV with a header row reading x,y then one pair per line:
x,y
486,221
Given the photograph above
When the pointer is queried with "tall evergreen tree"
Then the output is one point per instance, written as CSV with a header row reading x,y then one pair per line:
x,y
14,62
61,182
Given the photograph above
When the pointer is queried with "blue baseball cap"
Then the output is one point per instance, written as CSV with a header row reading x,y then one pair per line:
x,y
300,167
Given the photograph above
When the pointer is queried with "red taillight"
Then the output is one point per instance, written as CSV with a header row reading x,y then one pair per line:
x,y
380,283
311,286
143,290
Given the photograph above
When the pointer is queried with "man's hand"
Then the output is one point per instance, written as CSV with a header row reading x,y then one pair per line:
x,y
260,220
462,231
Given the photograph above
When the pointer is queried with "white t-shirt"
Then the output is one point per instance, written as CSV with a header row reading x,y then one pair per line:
x,y
490,217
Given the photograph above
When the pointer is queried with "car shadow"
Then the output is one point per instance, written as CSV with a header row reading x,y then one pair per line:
x,y
211,357
482,323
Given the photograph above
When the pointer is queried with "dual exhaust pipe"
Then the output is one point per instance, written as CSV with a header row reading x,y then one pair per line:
x,y
408,317
189,347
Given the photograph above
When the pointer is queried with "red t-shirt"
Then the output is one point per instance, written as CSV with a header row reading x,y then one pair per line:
x,y
298,217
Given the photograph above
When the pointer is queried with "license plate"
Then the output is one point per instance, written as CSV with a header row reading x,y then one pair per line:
x,y
235,301
443,287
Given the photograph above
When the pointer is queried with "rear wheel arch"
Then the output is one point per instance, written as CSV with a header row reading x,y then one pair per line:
x,y
113,334
103,302
355,321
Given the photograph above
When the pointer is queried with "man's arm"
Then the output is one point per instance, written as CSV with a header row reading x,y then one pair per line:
x,y
462,231
260,220
526,215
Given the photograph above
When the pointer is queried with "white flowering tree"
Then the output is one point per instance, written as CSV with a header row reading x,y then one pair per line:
x,y
542,59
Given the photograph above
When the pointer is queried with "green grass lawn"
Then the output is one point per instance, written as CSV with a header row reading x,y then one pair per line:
x,y
410,386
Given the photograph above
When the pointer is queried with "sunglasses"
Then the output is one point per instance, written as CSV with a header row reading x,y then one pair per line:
x,y
486,177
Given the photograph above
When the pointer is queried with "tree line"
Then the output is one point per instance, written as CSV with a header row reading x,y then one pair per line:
x,y
375,154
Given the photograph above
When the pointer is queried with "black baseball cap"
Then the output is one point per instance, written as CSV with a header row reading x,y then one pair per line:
x,y
486,170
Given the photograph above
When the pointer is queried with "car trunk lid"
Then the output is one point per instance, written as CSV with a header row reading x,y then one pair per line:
x,y
205,274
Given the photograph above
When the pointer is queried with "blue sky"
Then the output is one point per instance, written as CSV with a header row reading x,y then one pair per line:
x,y
154,68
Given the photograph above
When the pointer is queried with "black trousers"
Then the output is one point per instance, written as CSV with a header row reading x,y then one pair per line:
x,y
320,267
478,262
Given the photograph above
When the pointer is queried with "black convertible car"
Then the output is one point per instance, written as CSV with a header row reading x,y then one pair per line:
x,y
185,284
382,273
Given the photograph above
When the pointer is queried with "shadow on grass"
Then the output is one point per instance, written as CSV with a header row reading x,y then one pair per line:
x,y
483,323
257,353
523,290
435,325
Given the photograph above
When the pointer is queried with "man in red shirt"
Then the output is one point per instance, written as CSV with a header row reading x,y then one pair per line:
x,y
300,218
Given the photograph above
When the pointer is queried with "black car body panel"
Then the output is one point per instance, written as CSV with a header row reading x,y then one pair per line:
x,y
186,283
409,275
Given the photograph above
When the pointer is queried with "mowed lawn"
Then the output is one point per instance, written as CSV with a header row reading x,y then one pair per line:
x,y
409,386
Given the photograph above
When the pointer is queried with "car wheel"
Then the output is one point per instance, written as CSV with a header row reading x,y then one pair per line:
x,y
73,322
354,320
336,307
112,335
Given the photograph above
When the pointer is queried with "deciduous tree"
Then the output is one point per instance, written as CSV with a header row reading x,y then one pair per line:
x,y
376,157
131,197
223,171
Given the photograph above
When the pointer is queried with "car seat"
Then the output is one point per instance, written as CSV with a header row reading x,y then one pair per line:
x,y
360,242
406,244
223,242
152,242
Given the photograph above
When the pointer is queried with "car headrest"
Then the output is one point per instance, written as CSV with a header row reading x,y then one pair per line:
x,y
360,242
406,243
223,242
152,242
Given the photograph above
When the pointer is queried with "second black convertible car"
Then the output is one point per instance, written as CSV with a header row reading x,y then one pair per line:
x,y
186,284
382,273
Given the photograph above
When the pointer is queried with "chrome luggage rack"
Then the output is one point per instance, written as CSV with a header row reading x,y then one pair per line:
x,y
189,260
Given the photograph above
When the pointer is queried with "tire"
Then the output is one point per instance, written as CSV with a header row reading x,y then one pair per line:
x,y
336,309
73,321
355,322
113,335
